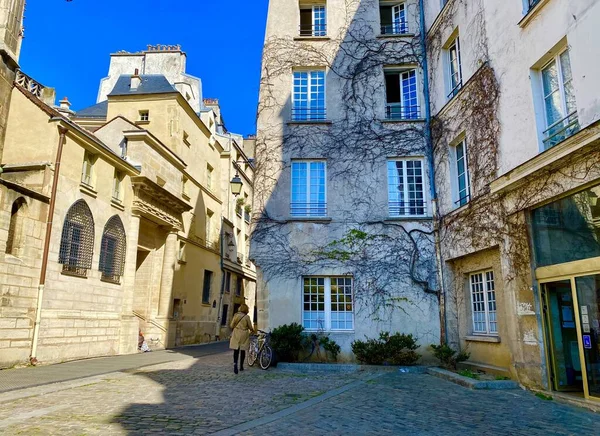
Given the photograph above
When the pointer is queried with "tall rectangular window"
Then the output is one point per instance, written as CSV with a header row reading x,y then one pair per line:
x,y
309,96
227,282
454,68
393,19
401,95
405,188
206,288
118,186
559,100
327,303
462,188
309,185
483,301
239,286
313,20
87,172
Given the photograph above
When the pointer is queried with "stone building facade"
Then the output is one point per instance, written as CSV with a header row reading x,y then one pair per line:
x,y
141,206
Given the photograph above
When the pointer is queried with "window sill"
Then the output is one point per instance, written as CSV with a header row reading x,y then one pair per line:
x,y
334,332
310,219
396,35
483,338
140,122
87,189
409,218
114,282
531,13
182,262
309,122
312,38
117,204
402,121
185,196
72,274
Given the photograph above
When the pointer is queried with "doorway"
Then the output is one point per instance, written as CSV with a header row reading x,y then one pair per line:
x,y
571,309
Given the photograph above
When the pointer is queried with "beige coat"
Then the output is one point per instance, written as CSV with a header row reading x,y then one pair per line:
x,y
240,337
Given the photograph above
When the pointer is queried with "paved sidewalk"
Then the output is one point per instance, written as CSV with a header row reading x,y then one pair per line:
x,y
21,378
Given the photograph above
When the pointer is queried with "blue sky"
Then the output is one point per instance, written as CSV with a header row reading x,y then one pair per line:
x,y
67,46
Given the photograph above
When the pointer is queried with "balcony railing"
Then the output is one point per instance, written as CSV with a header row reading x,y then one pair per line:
x,y
561,130
395,111
397,28
407,208
315,30
26,82
314,209
308,114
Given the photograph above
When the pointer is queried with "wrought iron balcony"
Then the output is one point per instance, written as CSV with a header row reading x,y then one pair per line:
x,y
395,111
308,114
397,28
26,82
313,209
561,130
407,208
314,30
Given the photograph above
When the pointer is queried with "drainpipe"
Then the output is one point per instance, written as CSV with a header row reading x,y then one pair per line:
x,y
38,316
432,187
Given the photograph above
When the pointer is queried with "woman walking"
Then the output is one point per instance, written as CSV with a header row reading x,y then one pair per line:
x,y
240,337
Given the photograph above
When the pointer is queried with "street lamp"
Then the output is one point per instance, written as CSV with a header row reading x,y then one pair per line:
x,y
236,185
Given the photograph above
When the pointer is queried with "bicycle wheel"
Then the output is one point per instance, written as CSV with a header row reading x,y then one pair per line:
x,y
266,356
252,353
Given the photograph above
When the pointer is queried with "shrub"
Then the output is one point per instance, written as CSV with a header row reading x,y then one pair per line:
x,y
449,357
287,341
396,349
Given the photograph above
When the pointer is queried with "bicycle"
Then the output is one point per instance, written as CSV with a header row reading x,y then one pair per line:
x,y
260,349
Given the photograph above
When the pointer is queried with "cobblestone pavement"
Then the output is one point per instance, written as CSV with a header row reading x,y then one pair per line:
x,y
199,396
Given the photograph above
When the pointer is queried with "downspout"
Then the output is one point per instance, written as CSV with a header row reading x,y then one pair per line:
x,y
38,317
432,187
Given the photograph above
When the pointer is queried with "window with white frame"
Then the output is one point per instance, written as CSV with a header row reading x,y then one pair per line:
x,y
118,186
309,96
460,169
405,187
313,19
402,101
87,171
483,303
144,115
327,303
454,68
309,187
393,18
559,100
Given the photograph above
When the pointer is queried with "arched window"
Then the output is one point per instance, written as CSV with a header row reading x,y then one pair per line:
x,y
13,243
112,251
77,241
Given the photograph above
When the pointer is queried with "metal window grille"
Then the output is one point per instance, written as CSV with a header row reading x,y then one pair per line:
x,y
483,300
77,240
112,251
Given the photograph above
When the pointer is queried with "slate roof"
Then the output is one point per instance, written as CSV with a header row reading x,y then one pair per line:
x,y
96,111
151,84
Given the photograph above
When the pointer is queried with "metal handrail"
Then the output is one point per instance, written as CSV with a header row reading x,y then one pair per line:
x,y
396,111
455,90
407,208
561,130
314,30
397,28
311,209
308,114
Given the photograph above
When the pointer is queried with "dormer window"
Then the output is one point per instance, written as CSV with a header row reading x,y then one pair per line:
x,y
313,19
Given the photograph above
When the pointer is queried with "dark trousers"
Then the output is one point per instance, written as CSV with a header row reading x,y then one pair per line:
x,y
236,354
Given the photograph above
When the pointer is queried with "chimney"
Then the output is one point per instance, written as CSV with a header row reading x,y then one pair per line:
x,y
64,107
136,80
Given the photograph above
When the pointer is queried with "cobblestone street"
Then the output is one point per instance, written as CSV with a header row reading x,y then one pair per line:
x,y
202,395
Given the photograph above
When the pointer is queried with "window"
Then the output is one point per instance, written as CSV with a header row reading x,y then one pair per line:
x,y
327,303
87,172
313,20
144,116
559,100
309,96
309,189
77,240
15,226
184,187
209,176
118,186
227,282
206,289
224,315
461,183
393,19
405,187
112,250
186,138
239,287
454,68
401,95
483,302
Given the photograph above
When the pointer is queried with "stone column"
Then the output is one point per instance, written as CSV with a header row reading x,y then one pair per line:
x,y
168,272
129,327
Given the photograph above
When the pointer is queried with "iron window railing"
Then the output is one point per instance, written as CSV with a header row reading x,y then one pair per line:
x,y
308,114
395,111
397,28
455,90
313,30
112,250
407,208
463,200
311,209
561,130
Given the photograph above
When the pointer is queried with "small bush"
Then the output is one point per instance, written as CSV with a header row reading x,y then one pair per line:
x,y
449,357
396,349
287,341
469,373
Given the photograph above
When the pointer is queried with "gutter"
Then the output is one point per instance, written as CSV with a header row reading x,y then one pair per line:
x,y
45,253
432,187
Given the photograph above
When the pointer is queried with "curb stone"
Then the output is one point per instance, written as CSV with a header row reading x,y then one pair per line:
x,y
348,367
472,383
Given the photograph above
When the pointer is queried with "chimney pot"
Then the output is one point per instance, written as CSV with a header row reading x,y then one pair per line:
x,y
65,103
